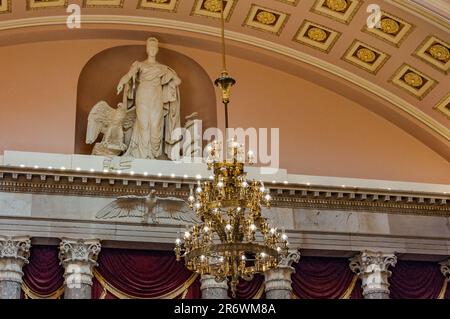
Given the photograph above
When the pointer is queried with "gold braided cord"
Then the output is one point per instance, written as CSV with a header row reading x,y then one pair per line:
x,y
260,292
104,293
30,294
347,294
121,295
443,290
183,296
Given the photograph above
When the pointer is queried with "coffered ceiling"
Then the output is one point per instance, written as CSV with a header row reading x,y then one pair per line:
x,y
404,59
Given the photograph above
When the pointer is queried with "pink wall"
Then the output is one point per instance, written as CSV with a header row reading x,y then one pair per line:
x,y
38,86
322,133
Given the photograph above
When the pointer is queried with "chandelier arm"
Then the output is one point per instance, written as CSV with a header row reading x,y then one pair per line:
x,y
219,230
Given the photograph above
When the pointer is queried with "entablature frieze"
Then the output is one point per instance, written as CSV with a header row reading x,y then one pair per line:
x,y
74,183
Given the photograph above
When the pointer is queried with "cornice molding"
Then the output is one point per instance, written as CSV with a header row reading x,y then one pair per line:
x,y
292,196
356,80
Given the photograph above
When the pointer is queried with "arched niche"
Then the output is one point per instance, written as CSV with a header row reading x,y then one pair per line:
x,y
99,78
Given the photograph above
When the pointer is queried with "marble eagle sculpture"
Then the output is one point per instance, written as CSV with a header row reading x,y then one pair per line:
x,y
111,123
148,207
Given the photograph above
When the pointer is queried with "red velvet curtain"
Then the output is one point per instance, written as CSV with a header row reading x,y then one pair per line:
x,y
142,274
151,274
194,291
250,289
43,275
357,291
323,278
416,280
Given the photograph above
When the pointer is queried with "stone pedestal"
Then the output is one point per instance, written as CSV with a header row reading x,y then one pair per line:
x,y
211,289
14,253
372,269
278,282
79,257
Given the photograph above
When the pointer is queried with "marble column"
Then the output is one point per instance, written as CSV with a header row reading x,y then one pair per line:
x,y
278,282
14,253
373,270
212,289
79,257
445,269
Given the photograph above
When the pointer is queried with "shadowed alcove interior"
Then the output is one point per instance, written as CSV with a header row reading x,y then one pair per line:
x,y
99,78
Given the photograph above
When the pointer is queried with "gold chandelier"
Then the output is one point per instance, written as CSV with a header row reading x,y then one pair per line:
x,y
233,240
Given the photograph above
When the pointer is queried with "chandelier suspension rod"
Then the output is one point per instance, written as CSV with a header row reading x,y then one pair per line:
x,y
222,19
224,57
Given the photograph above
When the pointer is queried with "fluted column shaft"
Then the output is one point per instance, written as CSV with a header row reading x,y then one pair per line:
x,y
79,257
278,281
373,270
14,253
211,289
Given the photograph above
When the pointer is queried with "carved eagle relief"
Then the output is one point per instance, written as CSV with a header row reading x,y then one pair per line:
x,y
150,208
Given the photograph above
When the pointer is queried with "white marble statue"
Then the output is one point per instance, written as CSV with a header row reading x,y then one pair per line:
x,y
142,126
192,148
154,92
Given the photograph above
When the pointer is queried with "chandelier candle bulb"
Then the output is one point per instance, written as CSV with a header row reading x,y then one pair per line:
x,y
191,198
251,158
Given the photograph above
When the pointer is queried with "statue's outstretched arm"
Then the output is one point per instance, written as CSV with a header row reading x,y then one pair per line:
x,y
127,77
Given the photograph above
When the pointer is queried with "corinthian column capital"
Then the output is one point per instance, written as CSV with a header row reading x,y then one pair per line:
x,y
79,257
292,257
79,250
15,247
278,282
373,269
445,268
367,262
14,253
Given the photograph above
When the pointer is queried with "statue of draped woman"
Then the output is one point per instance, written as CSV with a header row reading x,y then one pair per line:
x,y
153,89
